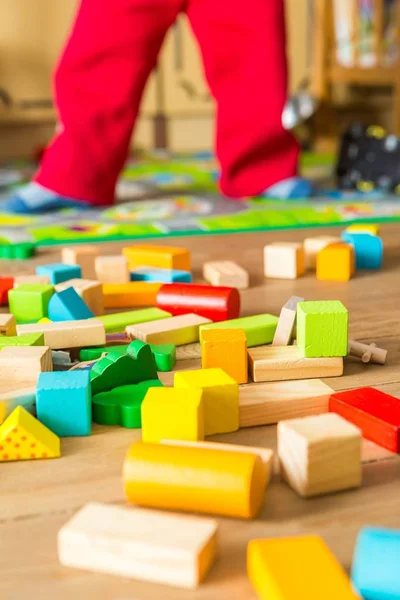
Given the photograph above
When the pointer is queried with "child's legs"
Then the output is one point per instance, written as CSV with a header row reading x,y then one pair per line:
x,y
99,83
243,47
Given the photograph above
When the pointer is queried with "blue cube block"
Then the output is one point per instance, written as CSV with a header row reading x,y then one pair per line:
x,y
59,272
161,275
368,249
67,305
376,564
64,402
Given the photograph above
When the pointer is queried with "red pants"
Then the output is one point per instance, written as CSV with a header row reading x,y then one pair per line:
x,y
102,73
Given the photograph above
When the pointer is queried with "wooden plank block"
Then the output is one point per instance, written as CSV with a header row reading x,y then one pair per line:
x,y
286,324
164,257
29,339
84,256
112,269
283,260
313,245
90,291
8,325
188,352
78,334
24,363
319,454
268,403
282,363
226,272
322,328
259,329
140,544
117,322
128,295
22,279
226,349
180,330
336,262
16,393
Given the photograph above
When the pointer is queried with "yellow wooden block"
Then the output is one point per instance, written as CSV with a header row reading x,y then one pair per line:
x,y
164,257
129,295
220,398
89,290
296,568
8,325
176,414
180,330
284,260
364,228
226,349
336,262
22,437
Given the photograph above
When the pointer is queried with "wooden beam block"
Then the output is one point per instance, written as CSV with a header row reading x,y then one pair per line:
x,y
313,245
8,325
24,363
129,295
84,256
282,363
287,321
259,329
283,260
226,272
322,328
112,269
175,330
367,352
336,262
78,334
163,257
22,279
319,454
268,403
227,350
117,322
16,393
90,291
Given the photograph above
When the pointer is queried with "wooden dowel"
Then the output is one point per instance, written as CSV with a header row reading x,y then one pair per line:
x,y
367,353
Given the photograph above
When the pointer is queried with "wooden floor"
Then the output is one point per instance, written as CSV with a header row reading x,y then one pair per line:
x,y
36,498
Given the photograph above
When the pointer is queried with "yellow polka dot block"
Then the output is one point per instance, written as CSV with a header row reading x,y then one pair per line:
x,y
22,437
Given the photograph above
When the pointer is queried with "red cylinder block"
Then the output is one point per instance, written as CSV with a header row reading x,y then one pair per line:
x,y
215,303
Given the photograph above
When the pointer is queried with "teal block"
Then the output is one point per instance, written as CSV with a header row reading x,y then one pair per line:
x,y
368,249
68,306
161,275
322,328
64,402
59,272
29,302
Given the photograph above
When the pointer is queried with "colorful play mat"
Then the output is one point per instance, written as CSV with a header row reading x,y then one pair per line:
x,y
163,195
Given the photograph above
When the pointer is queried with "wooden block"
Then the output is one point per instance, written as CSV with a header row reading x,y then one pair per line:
x,y
226,272
163,257
283,260
91,293
68,306
128,295
314,245
336,262
84,256
58,272
371,228
6,284
227,350
140,544
112,269
161,275
220,398
8,325
24,363
268,403
117,322
377,414
319,454
22,437
176,414
282,363
259,329
287,321
296,568
22,279
79,334
30,339
199,479
368,249
367,352
322,328
29,302
175,330
215,303
188,352
16,393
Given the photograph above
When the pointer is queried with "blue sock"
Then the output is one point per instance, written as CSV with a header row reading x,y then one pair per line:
x,y
34,198
289,189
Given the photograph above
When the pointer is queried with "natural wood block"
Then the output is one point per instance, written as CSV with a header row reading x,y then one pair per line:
x,y
322,328
286,324
139,544
283,260
281,363
180,330
112,269
226,272
129,295
22,279
163,257
188,352
90,291
16,393
268,403
84,256
8,325
67,334
313,245
336,262
319,454
24,363
226,349
367,352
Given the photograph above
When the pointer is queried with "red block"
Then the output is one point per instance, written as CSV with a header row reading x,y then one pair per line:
x,y
215,303
6,284
377,414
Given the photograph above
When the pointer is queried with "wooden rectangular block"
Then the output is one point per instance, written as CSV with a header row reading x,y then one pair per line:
x,y
16,393
112,269
175,330
117,322
226,273
313,245
226,349
322,328
84,256
129,295
268,403
336,262
164,257
140,544
90,291
24,363
76,334
8,325
22,279
259,329
287,321
319,454
284,260
281,363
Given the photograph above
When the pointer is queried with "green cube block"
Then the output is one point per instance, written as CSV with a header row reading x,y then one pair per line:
x,y
322,328
29,302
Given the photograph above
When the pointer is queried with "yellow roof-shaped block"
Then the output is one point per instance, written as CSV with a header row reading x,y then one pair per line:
x,y
22,437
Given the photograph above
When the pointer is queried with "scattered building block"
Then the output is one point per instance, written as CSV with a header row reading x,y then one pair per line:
x,y
22,279
17,251
59,272
84,256
198,480
368,249
89,332
163,257
165,356
64,402
227,350
214,303
68,306
322,328
119,321
371,228
226,272
312,246
336,262
282,363
367,352
377,414
29,302
269,403
24,363
139,544
28,339
287,321
296,568
175,330
259,329
22,437
6,284
16,393
127,295
112,269
8,325
91,293
188,352
319,454
161,275
284,260
220,398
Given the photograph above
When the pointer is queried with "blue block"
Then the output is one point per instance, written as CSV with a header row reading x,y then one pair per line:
x,y
161,275
68,306
376,564
368,249
59,272
64,402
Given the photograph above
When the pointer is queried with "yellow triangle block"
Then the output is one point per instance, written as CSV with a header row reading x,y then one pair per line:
x,y
22,437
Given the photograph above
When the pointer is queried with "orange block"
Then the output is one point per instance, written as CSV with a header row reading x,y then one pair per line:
x,y
163,257
226,349
129,295
336,262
